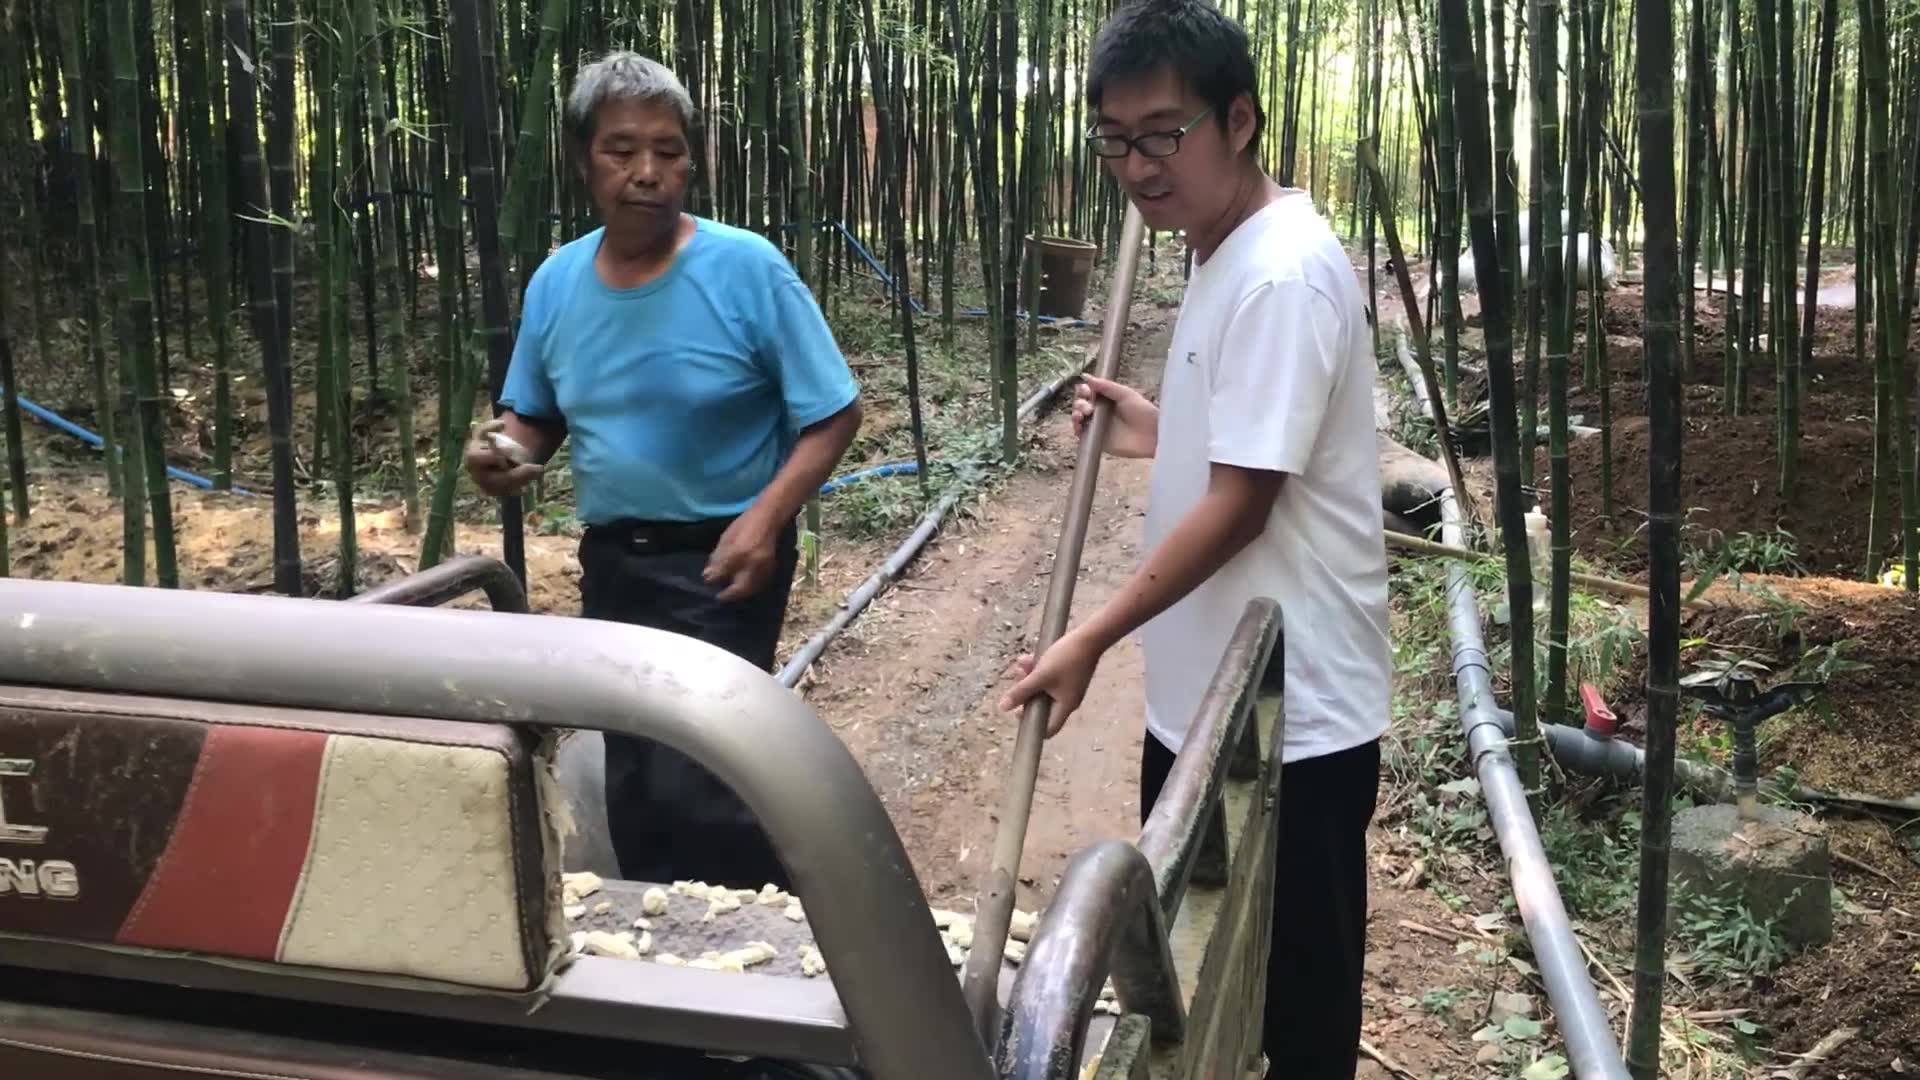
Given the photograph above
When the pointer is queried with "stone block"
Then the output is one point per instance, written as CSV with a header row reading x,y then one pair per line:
x,y
1778,865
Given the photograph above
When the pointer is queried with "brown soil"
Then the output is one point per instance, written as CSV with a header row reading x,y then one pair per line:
x,y
1867,979
1730,466
1728,486
1872,744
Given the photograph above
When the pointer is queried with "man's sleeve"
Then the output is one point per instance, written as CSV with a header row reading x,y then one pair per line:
x,y
528,389
1274,378
815,381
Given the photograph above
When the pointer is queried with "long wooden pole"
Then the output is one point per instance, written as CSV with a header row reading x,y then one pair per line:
x,y
1595,582
994,910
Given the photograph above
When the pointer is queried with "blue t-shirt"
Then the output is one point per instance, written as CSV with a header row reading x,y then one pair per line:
x,y
683,396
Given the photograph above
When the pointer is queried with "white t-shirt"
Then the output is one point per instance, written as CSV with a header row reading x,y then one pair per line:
x,y
1272,368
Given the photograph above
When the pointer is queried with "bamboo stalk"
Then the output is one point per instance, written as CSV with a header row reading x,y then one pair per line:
x,y
1653,84
141,377
1469,104
243,113
1816,199
1423,349
1562,275
399,322
472,49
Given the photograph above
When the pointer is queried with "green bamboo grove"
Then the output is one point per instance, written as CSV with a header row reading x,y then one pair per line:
x,y
319,217
318,214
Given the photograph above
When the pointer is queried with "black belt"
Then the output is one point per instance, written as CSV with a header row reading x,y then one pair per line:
x,y
660,537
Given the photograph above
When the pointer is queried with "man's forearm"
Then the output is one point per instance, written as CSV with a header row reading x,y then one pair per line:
x,y
815,453
1224,522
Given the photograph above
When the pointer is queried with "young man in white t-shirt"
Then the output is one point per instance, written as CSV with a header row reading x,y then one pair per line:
x,y
1265,483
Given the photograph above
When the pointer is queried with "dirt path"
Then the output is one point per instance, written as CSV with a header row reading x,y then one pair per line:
x,y
913,689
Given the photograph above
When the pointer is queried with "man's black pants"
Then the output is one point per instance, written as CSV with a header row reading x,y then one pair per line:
x,y
671,819
1319,943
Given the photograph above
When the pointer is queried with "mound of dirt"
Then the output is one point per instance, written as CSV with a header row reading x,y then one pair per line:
x,y
1872,745
1868,980
224,542
1728,485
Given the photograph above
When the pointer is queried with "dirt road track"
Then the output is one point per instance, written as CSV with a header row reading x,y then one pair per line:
x,y
913,689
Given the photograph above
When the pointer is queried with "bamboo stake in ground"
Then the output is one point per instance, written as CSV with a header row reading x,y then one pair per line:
x,y
994,910
1423,351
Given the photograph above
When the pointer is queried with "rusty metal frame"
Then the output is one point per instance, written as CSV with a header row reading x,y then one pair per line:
x,y
450,581
902,1002
1116,902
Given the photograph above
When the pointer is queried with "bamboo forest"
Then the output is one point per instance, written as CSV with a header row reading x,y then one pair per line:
x,y
1641,290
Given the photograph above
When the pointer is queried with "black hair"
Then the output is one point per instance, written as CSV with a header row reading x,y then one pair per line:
x,y
1193,39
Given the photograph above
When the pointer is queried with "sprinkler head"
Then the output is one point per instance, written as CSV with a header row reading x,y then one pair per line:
x,y
1732,694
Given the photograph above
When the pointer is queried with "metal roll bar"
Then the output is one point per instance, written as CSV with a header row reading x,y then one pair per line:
x,y
1177,831
449,581
828,827
1104,917
1116,901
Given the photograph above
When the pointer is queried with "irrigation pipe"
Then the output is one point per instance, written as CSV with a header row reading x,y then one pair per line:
x,y
890,570
1592,1049
62,424
1584,752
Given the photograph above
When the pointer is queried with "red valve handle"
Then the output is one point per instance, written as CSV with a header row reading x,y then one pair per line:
x,y
1600,719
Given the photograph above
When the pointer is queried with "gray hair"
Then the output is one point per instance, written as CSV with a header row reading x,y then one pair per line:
x,y
623,76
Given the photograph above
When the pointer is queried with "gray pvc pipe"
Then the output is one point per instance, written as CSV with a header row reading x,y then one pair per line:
x,y
1592,1049
1574,749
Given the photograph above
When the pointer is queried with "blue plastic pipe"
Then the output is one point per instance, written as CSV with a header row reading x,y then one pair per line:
x,y
898,468
60,423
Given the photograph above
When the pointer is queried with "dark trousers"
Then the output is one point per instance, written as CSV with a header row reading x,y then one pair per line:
x,y
669,818
1319,946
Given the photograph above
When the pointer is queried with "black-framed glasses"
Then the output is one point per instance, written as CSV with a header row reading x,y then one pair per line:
x,y
1153,144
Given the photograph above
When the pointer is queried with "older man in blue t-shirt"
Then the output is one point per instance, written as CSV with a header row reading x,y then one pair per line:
x,y
706,400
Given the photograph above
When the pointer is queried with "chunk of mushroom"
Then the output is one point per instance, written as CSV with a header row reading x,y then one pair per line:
x,y
575,887
811,962
601,943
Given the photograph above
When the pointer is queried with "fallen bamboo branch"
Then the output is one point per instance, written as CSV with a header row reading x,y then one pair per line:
x,y
1616,587
1385,1062
1821,1051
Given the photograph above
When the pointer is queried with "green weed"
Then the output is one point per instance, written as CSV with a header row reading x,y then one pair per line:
x,y
1727,942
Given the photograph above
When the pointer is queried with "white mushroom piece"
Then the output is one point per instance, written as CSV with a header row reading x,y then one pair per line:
x,y
578,886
